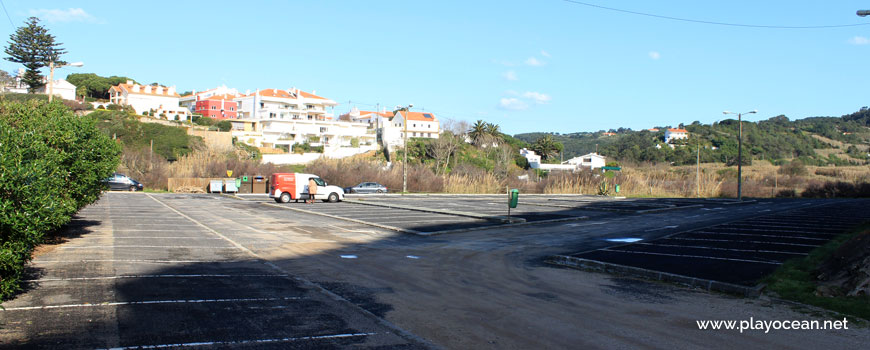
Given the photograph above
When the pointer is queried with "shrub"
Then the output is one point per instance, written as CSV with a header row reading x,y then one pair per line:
x,y
838,189
113,107
793,168
224,125
53,164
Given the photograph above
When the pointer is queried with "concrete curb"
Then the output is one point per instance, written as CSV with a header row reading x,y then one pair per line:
x,y
392,228
503,219
705,284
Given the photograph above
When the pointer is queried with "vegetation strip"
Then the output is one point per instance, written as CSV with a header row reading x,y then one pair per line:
x,y
797,281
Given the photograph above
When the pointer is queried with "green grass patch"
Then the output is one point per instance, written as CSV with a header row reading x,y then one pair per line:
x,y
796,280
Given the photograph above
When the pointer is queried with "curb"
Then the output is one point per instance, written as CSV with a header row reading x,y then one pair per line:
x,y
527,223
502,219
705,284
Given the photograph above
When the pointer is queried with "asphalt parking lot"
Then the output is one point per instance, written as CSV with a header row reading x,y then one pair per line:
x,y
142,270
740,252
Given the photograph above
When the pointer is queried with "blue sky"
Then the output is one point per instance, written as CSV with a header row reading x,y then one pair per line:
x,y
545,65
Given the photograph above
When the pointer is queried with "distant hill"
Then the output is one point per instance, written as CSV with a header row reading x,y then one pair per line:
x,y
817,140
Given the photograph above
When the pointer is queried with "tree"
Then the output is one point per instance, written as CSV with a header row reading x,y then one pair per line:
x,y
547,147
478,132
33,47
442,148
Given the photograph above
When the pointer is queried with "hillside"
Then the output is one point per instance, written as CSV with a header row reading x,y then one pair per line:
x,y
817,141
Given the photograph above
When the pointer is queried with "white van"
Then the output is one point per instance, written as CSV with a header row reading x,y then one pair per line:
x,y
285,187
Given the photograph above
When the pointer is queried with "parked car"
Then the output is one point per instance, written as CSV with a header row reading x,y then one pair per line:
x,y
123,183
366,187
284,187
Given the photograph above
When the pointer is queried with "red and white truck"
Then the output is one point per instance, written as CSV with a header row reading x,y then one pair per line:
x,y
285,187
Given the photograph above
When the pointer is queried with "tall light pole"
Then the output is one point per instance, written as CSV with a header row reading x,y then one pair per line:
x,y
51,67
407,110
740,151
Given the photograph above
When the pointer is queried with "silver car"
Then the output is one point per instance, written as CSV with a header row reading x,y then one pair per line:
x,y
366,187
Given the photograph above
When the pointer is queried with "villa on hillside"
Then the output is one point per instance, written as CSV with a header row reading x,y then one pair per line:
x,y
591,161
675,134
390,128
161,100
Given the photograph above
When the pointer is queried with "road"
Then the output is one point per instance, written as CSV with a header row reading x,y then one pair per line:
x,y
215,271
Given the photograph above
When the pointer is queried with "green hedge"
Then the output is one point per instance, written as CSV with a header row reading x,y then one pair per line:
x,y
52,164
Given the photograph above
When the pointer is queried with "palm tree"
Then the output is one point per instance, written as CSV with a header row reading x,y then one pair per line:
x,y
478,132
546,146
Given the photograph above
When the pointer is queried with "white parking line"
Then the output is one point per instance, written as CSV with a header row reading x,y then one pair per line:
x,y
243,342
692,256
743,241
760,235
716,248
121,303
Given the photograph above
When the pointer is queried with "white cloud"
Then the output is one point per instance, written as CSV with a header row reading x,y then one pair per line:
x,y
545,54
513,104
859,40
534,62
63,16
510,75
655,55
537,97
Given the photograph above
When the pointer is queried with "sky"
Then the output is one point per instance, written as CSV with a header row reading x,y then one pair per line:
x,y
545,65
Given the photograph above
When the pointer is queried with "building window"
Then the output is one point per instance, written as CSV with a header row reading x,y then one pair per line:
x,y
213,107
322,129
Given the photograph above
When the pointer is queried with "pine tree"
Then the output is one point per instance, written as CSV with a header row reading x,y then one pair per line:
x,y
33,47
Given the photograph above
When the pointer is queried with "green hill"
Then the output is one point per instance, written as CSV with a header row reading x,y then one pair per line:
x,y
817,140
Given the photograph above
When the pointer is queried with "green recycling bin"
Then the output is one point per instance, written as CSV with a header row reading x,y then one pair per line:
x,y
246,185
616,188
514,198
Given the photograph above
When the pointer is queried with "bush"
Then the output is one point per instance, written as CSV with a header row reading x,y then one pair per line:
x,y
838,189
53,164
224,125
113,107
204,121
793,168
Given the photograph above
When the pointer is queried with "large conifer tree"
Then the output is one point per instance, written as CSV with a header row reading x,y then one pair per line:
x,y
33,47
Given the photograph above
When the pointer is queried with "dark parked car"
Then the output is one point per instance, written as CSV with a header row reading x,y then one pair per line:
x,y
366,187
123,183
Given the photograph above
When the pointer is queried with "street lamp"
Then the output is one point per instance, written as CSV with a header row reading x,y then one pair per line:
x,y
740,151
863,13
51,75
406,109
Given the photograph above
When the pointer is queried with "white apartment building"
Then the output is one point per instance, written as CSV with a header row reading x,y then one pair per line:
x,y
61,88
161,100
272,117
189,101
420,124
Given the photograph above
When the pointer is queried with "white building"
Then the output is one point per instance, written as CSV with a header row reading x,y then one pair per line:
x,y
675,134
273,117
189,101
591,160
161,100
292,104
62,88
390,128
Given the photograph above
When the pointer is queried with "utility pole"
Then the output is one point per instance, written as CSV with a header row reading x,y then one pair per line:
x,y
740,151
698,169
151,157
407,111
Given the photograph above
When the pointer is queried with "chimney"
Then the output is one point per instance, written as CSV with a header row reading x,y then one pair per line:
x,y
314,92
136,88
147,89
171,90
129,82
158,90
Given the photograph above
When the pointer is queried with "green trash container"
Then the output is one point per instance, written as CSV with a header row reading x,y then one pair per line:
x,y
616,188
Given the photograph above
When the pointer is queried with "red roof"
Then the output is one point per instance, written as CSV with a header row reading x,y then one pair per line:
x,y
678,130
419,116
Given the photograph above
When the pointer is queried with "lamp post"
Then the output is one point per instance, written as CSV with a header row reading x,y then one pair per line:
x,y
863,13
740,151
406,109
51,67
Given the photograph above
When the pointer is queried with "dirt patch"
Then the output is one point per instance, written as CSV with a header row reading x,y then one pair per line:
x,y
847,271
